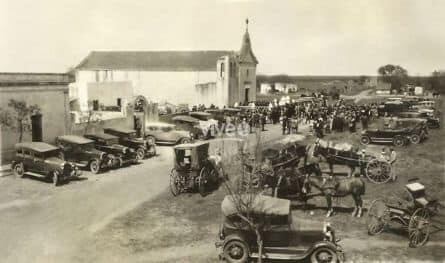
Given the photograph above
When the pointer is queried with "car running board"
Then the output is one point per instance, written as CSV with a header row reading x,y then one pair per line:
x,y
34,174
297,255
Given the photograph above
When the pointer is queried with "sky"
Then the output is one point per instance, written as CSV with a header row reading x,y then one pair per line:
x,y
314,37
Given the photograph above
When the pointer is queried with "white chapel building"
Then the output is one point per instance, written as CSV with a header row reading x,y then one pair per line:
x,y
222,78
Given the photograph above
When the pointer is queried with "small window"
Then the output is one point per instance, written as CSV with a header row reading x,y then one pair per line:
x,y
19,151
247,72
27,152
97,76
166,129
38,155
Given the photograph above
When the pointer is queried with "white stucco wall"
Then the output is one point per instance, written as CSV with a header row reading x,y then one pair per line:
x,y
158,86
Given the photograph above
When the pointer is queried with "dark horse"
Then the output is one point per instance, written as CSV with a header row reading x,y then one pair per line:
x,y
320,151
353,186
286,183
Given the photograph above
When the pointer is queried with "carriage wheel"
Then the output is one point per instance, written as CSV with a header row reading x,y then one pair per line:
x,y
206,177
175,183
419,227
415,139
378,172
378,217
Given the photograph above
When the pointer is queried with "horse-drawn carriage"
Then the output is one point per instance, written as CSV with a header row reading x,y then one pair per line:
x,y
413,211
194,169
376,170
284,153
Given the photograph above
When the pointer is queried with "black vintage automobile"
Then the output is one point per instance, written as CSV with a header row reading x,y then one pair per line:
x,y
392,107
144,148
282,238
399,132
82,152
110,144
42,159
193,169
431,121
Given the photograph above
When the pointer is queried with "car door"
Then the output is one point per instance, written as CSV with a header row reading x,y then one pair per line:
x,y
276,231
38,163
28,160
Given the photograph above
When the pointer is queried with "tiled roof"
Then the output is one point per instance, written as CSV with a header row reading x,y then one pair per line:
x,y
152,60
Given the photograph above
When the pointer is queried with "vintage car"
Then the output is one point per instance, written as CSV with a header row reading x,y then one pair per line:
x,y
83,153
42,159
399,132
110,144
161,132
194,169
206,122
392,107
431,121
282,238
190,124
144,148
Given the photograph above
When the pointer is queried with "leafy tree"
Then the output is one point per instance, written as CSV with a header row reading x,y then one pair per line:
x,y
393,74
437,81
18,116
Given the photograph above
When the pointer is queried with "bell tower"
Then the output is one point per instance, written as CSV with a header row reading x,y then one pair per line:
x,y
247,63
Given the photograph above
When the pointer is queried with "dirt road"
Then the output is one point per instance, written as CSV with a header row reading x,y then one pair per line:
x,y
41,223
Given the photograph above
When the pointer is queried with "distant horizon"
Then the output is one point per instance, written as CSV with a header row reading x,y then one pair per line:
x,y
288,37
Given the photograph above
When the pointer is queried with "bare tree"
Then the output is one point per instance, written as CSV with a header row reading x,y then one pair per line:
x,y
243,187
92,117
19,116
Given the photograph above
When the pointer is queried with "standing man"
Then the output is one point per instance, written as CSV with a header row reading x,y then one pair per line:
x,y
392,160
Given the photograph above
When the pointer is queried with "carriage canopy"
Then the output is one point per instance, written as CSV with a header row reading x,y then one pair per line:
x,y
191,155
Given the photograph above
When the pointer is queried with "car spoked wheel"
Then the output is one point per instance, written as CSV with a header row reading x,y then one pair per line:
x,y
185,140
140,154
415,139
56,178
324,255
236,252
398,141
19,170
365,140
94,166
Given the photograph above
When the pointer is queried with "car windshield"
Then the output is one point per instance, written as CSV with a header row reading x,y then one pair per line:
x,y
201,117
87,146
53,153
112,141
131,135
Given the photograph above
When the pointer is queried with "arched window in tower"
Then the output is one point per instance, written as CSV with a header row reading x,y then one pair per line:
x,y
222,70
247,72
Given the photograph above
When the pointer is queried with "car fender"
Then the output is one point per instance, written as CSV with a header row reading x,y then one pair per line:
x,y
232,237
320,244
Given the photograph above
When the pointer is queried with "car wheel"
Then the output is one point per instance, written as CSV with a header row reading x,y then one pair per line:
x,y
236,251
184,141
120,162
140,154
415,139
94,166
398,141
19,170
56,178
365,140
324,255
